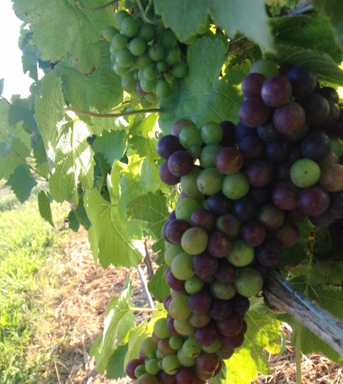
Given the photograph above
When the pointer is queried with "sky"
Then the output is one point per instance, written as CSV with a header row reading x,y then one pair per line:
x,y
16,83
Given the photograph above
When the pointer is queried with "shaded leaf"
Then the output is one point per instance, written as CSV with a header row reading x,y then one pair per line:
x,y
44,205
115,367
158,286
22,182
111,144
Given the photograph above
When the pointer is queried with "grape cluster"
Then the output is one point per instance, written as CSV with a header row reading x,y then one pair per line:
x,y
147,59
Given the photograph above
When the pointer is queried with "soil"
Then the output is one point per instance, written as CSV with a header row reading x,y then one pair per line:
x,y
79,309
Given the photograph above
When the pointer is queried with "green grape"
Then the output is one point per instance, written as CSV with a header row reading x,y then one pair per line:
x,y
209,154
119,41
109,32
152,355
128,82
213,348
211,133
171,364
194,285
129,27
161,66
235,186
171,56
189,183
249,282
180,70
185,209
113,51
336,145
222,291
325,269
148,346
161,330
210,181
135,75
190,136
168,39
184,360
140,74
120,71
318,279
305,173
184,327
195,152
163,89
143,60
146,32
160,364
159,355
168,75
150,72
179,308
139,371
177,293
176,342
144,103
120,16
194,241
148,85
190,40
182,266
266,68
151,366
125,58
137,46
156,52
241,254
199,321
171,253
151,98
146,378
191,348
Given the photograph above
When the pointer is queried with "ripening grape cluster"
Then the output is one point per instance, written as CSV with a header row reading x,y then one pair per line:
x,y
244,189
147,59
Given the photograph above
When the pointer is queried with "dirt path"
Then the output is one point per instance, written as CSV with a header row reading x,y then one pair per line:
x,y
79,309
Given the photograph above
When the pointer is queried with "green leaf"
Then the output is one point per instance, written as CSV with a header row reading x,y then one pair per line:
x,y
115,367
22,182
30,60
158,286
118,322
333,10
1,86
150,210
111,144
249,360
74,224
145,147
100,91
44,205
146,127
320,63
80,213
201,97
22,110
65,143
136,337
110,236
309,32
61,27
234,16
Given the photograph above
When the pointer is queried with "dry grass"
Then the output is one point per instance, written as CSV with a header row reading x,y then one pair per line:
x,y
79,312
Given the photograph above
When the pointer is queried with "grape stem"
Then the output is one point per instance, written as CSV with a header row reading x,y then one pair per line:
x,y
144,12
109,116
96,9
134,309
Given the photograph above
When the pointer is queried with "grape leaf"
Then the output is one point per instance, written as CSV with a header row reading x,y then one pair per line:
x,y
234,16
45,207
201,96
146,127
136,336
320,63
118,322
74,224
30,60
101,90
309,32
115,367
22,182
111,144
249,360
158,286
1,86
22,110
110,237
151,210
145,147
333,9
63,26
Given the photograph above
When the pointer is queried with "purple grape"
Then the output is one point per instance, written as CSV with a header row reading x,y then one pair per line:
x,y
243,131
333,115
289,119
204,219
179,125
276,91
171,328
261,196
269,253
252,148
252,85
167,145
219,244
268,132
164,378
253,233
288,234
277,151
259,173
172,216
207,362
336,129
285,195
226,272
329,93
219,204
230,326
316,146
220,309
336,234
230,225
244,209
336,205
229,160
240,305
316,107
233,341
261,269
167,177
294,155
166,302
180,163
205,265
185,375
282,171
206,336
199,303
229,134
173,282
176,229
271,217
254,112
303,81
322,221
295,214
314,201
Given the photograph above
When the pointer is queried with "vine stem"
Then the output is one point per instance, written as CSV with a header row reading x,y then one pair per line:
x,y
298,353
96,9
141,8
133,309
126,105
110,116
